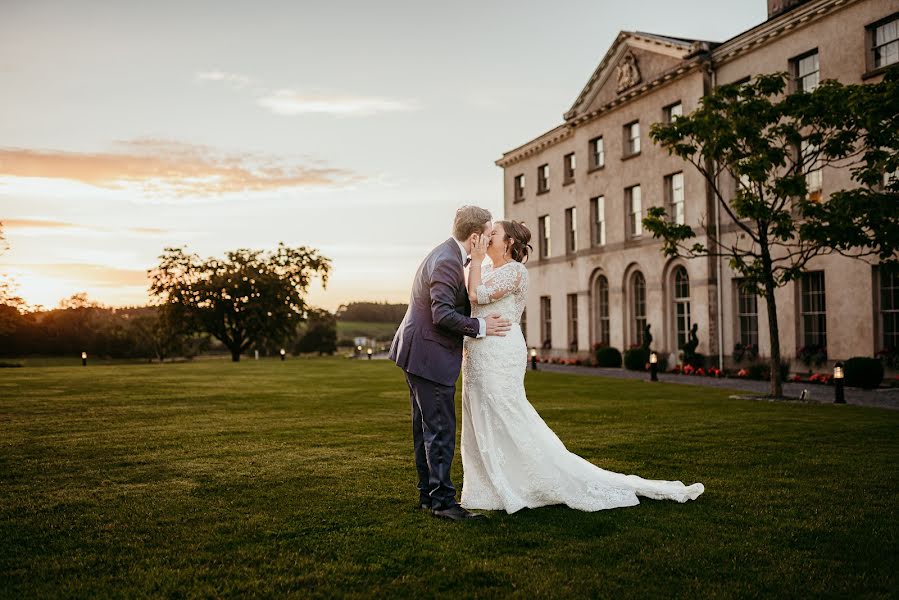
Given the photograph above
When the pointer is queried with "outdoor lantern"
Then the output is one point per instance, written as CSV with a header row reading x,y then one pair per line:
x,y
369,353
653,366
839,394
84,359
283,354
533,359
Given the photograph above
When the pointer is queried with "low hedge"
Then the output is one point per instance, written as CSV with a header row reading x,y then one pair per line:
x,y
635,359
863,372
607,356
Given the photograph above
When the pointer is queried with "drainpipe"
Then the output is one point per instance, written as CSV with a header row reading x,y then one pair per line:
x,y
718,259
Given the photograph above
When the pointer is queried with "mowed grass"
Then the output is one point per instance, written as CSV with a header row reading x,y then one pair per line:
x,y
379,331
267,478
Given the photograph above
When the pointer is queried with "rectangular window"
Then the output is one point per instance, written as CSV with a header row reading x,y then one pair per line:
x,y
632,138
597,154
814,310
570,230
519,188
634,211
805,71
747,314
569,168
884,42
543,225
674,189
542,179
572,322
889,308
598,221
812,168
673,111
546,322
602,306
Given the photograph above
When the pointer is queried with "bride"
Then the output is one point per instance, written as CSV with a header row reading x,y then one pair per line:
x,y
510,458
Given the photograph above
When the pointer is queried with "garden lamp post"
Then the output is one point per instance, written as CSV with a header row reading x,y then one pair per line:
x,y
370,351
839,393
533,359
653,366
358,350
283,354
84,359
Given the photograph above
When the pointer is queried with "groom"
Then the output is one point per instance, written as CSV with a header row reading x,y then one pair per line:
x,y
428,347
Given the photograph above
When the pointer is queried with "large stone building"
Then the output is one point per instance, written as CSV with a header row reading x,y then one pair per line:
x,y
584,186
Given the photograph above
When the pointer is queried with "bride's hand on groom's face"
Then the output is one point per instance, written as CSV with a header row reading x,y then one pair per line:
x,y
479,248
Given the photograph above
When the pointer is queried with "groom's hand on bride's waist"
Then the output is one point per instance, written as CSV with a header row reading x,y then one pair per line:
x,y
496,325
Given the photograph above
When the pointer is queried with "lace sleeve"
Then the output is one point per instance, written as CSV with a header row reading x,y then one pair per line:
x,y
500,283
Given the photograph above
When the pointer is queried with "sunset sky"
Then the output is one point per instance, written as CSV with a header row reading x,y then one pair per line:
x,y
353,127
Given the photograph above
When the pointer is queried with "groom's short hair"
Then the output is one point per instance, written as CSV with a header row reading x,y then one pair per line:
x,y
469,220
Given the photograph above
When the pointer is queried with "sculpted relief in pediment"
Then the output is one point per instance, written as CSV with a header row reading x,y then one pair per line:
x,y
628,72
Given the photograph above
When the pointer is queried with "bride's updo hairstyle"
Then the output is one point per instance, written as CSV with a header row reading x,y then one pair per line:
x,y
520,236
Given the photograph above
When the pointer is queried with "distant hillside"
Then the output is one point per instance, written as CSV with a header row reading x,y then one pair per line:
x,y
372,312
383,332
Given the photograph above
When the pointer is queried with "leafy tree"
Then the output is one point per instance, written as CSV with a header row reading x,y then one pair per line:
x,y
10,304
372,312
160,335
319,334
248,297
770,147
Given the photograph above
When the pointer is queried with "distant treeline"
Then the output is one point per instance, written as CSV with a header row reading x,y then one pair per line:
x,y
373,312
138,332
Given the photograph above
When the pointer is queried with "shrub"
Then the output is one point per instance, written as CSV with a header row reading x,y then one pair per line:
x,y
697,361
607,356
762,371
863,372
636,359
662,365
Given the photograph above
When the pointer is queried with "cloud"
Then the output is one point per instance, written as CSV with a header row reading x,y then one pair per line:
x,y
48,226
164,167
233,79
84,274
290,102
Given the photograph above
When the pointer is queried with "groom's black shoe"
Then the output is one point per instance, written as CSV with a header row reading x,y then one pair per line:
x,y
455,513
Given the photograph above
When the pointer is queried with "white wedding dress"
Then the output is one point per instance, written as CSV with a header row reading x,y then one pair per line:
x,y
510,458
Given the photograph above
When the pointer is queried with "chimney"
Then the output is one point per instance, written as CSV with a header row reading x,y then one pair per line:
x,y
779,7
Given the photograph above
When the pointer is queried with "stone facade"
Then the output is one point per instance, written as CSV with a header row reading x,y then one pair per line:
x,y
596,277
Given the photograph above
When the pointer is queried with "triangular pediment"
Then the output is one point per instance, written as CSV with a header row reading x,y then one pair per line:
x,y
633,59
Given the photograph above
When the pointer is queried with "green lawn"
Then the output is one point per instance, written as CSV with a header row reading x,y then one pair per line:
x,y
263,478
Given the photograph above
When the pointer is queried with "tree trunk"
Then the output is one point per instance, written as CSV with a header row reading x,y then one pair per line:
x,y
773,329
235,355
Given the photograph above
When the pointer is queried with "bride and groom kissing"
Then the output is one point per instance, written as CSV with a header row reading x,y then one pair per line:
x,y
510,458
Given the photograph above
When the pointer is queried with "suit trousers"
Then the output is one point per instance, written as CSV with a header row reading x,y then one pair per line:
x,y
434,439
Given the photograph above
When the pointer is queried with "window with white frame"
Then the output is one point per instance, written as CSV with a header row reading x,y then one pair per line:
x,y
889,308
598,229
884,42
814,310
747,314
546,330
638,307
571,230
673,111
519,188
674,189
542,179
604,331
805,71
569,163
543,225
682,319
632,138
597,153
812,167
572,322
634,201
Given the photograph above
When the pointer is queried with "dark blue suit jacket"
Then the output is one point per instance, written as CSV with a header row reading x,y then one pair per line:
x,y
428,342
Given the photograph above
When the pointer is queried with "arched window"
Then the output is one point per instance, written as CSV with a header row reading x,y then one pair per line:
x,y
682,320
603,331
638,296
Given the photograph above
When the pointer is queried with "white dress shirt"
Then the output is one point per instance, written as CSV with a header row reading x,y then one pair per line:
x,y
482,332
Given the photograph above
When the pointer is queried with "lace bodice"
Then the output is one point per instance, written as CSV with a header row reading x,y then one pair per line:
x,y
502,291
